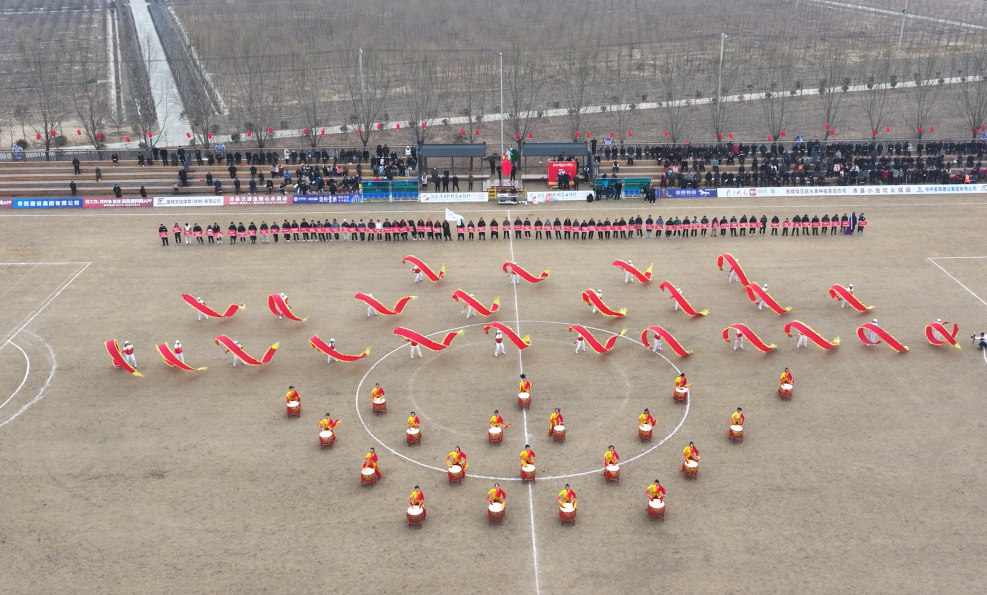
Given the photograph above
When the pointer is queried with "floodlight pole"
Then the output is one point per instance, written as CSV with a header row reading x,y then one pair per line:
x,y
901,31
719,76
502,103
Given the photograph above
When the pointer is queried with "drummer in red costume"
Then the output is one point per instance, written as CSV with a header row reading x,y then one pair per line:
x,y
413,421
417,498
567,496
737,418
496,421
691,453
292,395
370,461
328,424
656,491
555,420
525,385
527,456
376,392
610,457
645,419
787,378
496,495
457,457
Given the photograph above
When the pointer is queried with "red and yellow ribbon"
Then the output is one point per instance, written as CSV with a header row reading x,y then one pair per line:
x,y
683,303
373,303
240,353
672,342
510,267
482,310
743,329
880,332
519,342
321,345
172,360
432,275
810,334
230,311
279,307
755,292
729,259
117,356
838,292
948,337
642,277
424,341
596,345
590,297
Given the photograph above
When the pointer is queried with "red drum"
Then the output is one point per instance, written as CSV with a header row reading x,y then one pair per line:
x,y
612,473
294,408
495,435
558,433
326,438
567,514
737,433
456,474
368,477
785,391
644,432
656,510
527,473
416,514
691,469
496,513
379,405
681,394
414,436
523,400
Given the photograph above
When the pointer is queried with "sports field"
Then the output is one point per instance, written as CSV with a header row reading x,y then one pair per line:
x,y
869,481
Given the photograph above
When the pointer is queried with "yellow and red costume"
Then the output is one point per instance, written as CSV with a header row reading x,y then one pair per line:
x,y
371,461
413,422
524,386
417,498
567,496
293,396
496,421
457,457
527,457
645,419
737,418
787,378
496,495
376,392
681,382
328,424
611,457
554,420
691,453
656,492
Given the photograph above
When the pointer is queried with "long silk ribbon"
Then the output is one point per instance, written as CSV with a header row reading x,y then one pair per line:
x,y
117,356
596,345
880,332
279,307
510,267
756,292
642,277
230,311
373,303
729,259
482,310
672,342
321,345
519,342
683,303
948,337
838,292
743,329
424,341
590,297
172,360
432,275
240,353
810,334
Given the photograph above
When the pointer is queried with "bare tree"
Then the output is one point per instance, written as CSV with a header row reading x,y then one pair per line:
x,y
928,84
972,96
577,81
257,79
43,67
472,99
369,84
622,88
673,78
719,108
780,92
833,87
523,82
878,99
89,96
421,93
313,89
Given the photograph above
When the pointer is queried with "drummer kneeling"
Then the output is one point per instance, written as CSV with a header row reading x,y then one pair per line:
x,y
496,502
417,500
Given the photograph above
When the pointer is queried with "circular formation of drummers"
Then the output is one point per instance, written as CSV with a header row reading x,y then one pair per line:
x,y
570,228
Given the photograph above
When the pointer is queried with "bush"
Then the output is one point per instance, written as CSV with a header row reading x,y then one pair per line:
x,y
60,141
22,143
235,137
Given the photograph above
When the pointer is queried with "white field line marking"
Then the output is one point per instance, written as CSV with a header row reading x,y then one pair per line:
x,y
524,417
58,291
27,371
933,261
41,393
31,264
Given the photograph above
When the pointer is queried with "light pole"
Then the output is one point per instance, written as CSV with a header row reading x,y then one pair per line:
x,y
501,106
901,31
719,81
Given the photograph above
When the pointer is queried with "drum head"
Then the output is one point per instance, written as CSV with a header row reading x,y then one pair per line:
x,y
656,504
496,507
325,434
691,464
528,468
292,403
523,395
560,428
646,428
367,471
786,386
737,428
567,508
415,510
412,431
495,430
455,469
613,468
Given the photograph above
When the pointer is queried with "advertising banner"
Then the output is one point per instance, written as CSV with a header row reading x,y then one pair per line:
x,y
559,195
689,193
909,189
6,203
47,203
452,197
554,167
257,199
188,201
97,203
324,199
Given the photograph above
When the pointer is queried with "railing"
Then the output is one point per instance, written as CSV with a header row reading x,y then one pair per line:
x,y
390,190
631,186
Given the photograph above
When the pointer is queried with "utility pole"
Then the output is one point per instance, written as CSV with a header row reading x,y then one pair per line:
x,y
901,31
363,88
502,103
719,78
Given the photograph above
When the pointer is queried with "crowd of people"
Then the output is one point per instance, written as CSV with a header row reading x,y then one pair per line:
x,y
569,229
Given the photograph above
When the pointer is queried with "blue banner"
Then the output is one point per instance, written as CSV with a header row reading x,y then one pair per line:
x,y
689,193
322,199
47,203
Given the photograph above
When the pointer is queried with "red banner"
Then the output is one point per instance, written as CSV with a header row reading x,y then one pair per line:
x,y
424,341
373,303
729,259
322,346
230,311
838,292
519,342
590,297
810,334
231,346
672,342
279,307
755,292
99,203
596,345
554,167
683,303
432,275
947,336
482,310
172,360
114,350
511,267
883,334
743,329
642,277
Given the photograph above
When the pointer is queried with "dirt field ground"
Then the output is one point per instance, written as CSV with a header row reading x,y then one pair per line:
x,y
870,481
